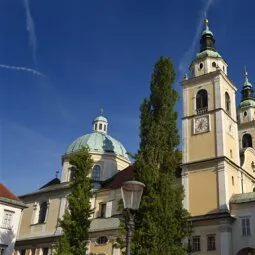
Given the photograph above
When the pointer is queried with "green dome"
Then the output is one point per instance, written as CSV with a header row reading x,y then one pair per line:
x,y
99,142
100,118
247,103
208,53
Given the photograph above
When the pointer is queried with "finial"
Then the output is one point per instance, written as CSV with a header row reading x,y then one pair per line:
x,y
246,80
245,71
101,111
57,172
206,22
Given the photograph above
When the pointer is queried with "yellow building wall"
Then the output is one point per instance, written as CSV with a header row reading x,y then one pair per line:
x,y
203,192
202,146
26,220
52,217
107,248
234,186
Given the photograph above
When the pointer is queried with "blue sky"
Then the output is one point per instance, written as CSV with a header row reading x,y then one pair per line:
x,y
97,54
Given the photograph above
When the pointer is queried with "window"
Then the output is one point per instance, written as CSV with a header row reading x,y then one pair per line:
x,y
2,250
102,240
231,153
102,210
104,127
45,251
202,101
211,243
96,173
247,141
8,218
246,230
196,243
22,252
213,64
201,65
71,174
233,181
100,126
245,114
42,212
96,126
227,102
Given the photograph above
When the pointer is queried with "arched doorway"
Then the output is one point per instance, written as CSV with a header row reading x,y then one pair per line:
x,y
246,251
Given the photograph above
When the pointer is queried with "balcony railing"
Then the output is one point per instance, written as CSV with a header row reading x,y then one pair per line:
x,y
202,110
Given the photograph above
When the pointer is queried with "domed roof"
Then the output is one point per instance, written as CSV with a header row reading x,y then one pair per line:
x,y
100,118
99,142
247,103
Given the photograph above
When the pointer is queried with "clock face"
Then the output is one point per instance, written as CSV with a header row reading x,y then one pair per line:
x,y
202,124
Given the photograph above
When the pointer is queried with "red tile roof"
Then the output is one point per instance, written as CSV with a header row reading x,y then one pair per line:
x,y
116,181
5,193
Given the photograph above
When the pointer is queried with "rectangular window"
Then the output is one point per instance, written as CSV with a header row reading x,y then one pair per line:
x,y
246,229
211,243
102,210
7,219
195,243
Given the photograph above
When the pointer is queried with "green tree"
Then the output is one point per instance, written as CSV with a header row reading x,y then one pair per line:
x,y
76,221
161,222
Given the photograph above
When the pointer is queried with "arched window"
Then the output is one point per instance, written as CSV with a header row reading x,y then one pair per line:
x,y
96,173
42,212
202,101
227,103
71,174
102,240
247,141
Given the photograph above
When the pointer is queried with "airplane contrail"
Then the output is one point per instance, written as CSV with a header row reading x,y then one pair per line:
x,y
20,68
186,58
31,31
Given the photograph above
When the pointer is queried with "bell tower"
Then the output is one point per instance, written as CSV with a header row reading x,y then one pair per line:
x,y
246,115
210,145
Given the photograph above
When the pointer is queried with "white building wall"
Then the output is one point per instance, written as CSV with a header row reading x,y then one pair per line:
x,y
240,211
8,236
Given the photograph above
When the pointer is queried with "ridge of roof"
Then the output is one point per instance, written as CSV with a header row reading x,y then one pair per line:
x,y
5,193
50,183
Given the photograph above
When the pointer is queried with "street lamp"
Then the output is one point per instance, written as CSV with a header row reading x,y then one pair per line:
x,y
131,194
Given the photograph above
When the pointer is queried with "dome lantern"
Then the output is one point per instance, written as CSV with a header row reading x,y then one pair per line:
x,y
100,124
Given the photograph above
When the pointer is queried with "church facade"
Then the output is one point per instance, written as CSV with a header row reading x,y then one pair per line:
x,y
217,171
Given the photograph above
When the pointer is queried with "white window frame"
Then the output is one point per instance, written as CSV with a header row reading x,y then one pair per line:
x,y
246,227
7,221
35,217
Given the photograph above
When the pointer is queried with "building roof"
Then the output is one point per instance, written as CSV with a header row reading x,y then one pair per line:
x,y
247,103
100,118
99,142
242,198
50,183
7,196
116,181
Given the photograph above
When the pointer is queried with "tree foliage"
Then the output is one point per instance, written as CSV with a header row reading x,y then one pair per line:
x,y
75,222
161,223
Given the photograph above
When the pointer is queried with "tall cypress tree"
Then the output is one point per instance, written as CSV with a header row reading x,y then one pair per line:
x,y
76,221
161,223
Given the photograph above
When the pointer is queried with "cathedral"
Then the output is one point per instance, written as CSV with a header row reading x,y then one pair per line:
x,y
217,170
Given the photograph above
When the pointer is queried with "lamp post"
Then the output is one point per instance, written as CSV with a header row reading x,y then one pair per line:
x,y
131,194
